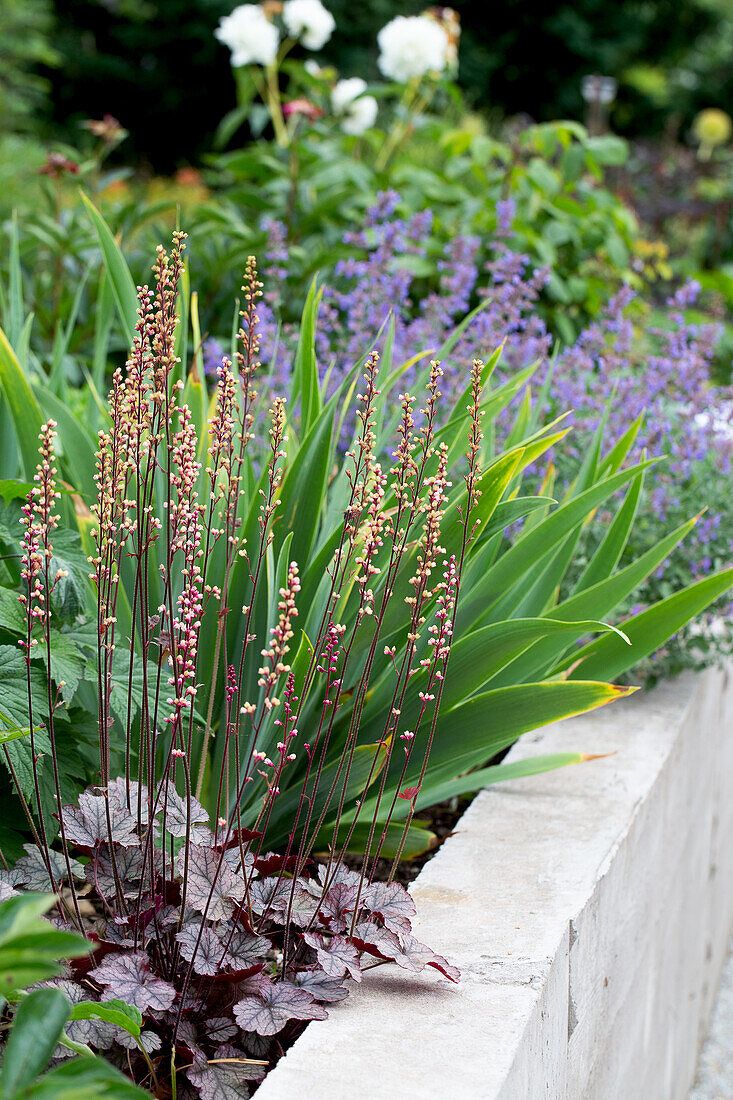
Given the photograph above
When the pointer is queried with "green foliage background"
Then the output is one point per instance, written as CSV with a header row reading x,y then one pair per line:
x,y
157,67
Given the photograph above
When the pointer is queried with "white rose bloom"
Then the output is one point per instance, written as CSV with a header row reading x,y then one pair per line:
x,y
309,21
411,46
249,34
358,112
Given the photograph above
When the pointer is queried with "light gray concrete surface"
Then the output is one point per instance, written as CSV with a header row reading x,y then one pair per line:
x,y
589,911
715,1067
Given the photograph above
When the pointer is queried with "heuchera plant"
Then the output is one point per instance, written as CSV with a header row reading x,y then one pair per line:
x,y
219,946
220,943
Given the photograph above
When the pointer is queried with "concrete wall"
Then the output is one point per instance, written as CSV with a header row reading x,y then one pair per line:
x,y
589,911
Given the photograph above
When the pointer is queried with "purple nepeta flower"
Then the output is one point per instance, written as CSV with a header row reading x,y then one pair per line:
x,y
213,354
619,366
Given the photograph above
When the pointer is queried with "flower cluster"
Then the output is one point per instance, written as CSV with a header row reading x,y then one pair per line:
x,y
253,37
411,48
662,374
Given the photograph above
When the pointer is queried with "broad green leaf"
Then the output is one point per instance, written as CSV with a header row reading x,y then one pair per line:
x,y
606,557
14,696
19,914
651,628
118,273
83,1079
305,369
476,658
38,1023
470,734
304,486
10,733
419,839
497,773
367,763
24,409
598,601
78,443
526,553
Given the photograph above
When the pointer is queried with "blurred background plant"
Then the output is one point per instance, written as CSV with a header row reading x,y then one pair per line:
x,y
670,59
26,56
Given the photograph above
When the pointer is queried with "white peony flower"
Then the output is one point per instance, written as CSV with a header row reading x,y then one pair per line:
x,y
358,112
249,34
411,46
309,21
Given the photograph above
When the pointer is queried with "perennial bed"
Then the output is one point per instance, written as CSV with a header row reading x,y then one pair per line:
x,y
589,912
253,585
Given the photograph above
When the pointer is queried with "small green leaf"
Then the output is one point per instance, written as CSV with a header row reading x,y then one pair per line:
x,y
11,733
114,1012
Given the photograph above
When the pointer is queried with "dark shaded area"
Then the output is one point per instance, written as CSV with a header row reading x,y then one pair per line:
x,y
155,66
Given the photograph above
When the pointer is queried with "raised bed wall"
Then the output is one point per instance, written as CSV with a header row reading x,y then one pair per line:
x,y
589,911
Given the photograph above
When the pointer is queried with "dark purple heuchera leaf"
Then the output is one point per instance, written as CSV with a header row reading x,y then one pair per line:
x,y
322,987
375,940
253,984
391,902
338,872
303,908
336,957
210,955
129,863
404,950
257,1046
269,895
237,837
233,858
219,1028
337,906
174,806
186,1035
275,1005
128,976
166,916
204,880
86,824
272,863
244,948
118,789
150,1040
30,870
224,1078
119,934
422,956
